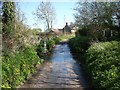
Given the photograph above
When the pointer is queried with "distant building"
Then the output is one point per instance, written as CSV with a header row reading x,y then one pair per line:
x,y
67,29
57,31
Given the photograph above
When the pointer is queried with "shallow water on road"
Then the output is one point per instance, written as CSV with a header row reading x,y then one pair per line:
x,y
60,71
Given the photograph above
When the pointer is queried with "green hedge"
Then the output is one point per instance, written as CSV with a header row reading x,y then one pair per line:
x,y
57,40
49,45
103,62
79,44
40,49
17,67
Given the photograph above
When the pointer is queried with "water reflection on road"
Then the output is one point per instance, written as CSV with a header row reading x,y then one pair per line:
x,y
61,71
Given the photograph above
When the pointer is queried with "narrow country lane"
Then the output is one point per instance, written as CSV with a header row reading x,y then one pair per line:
x,y
61,71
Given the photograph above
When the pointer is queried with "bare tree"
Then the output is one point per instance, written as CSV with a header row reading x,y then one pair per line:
x,y
46,13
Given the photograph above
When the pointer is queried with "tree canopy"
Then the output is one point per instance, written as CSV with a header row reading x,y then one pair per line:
x,y
99,17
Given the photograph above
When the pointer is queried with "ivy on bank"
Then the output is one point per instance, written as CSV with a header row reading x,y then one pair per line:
x,y
17,67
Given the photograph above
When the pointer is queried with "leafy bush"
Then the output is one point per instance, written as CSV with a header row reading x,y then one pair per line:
x,y
16,67
57,40
50,44
83,31
79,44
40,49
103,62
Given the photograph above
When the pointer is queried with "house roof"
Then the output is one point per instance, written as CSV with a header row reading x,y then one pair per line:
x,y
57,31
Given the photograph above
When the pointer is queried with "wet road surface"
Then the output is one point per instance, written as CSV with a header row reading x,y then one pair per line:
x,y
61,71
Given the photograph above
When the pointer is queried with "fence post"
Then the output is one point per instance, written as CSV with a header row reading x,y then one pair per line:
x,y
45,49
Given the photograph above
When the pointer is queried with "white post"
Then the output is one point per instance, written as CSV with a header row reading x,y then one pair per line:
x,y
104,33
45,49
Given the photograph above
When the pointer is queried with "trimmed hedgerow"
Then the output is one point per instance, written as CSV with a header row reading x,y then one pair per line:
x,y
57,40
50,44
103,63
79,44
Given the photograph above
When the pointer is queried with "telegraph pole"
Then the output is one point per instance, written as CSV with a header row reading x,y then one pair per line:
x,y
64,19
64,25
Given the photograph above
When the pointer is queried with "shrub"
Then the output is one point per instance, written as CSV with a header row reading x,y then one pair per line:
x,y
57,40
83,31
40,49
17,67
50,44
103,62
79,44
